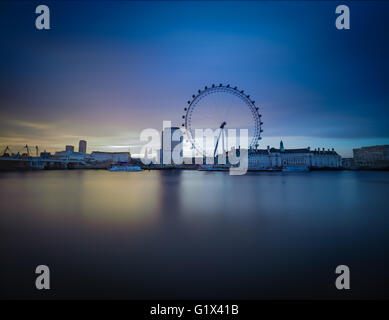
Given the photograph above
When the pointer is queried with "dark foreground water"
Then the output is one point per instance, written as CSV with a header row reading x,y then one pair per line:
x,y
190,234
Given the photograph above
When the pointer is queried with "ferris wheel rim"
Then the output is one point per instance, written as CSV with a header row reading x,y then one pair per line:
x,y
201,94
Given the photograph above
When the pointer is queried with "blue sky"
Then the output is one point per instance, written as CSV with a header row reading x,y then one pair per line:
x,y
107,70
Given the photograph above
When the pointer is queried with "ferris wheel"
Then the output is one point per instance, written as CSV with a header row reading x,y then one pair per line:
x,y
221,107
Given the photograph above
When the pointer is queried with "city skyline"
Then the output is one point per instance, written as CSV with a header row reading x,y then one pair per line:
x,y
106,72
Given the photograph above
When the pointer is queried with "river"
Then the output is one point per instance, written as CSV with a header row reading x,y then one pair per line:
x,y
192,234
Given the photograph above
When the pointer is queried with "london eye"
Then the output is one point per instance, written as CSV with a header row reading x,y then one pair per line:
x,y
221,107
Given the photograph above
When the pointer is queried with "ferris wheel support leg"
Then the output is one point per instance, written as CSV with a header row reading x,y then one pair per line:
x,y
217,143
223,141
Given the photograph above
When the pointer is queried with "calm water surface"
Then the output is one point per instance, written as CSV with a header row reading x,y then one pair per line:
x,y
191,234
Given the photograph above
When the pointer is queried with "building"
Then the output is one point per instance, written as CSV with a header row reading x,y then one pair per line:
x,y
279,158
114,157
82,146
45,155
372,157
171,145
325,159
71,155
347,163
69,148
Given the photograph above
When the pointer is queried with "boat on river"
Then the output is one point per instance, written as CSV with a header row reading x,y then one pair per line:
x,y
209,167
295,169
125,168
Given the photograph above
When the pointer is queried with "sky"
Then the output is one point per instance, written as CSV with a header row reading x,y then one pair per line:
x,y
107,70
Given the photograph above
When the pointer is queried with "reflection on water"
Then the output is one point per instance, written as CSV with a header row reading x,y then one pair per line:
x,y
191,234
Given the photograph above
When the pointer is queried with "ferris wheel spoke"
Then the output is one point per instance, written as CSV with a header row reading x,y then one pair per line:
x,y
216,105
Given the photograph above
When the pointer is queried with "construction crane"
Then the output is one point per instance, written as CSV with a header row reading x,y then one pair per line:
x,y
5,154
28,150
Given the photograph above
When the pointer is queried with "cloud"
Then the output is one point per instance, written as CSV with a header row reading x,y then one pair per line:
x,y
33,125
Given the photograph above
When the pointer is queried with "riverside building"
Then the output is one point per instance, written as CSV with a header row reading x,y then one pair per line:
x,y
372,157
273,158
